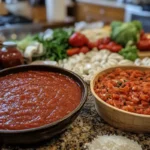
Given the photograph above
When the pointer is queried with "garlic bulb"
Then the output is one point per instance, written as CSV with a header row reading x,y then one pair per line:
x,y
142,62
86,65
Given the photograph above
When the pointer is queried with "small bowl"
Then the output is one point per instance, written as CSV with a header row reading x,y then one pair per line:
x,y
34,135
118,118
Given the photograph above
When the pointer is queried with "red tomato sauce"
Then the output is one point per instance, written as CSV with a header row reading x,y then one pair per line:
x,y
125,89
36,98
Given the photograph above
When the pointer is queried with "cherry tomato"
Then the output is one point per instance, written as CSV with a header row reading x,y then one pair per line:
x,y
99,42
73,51
109,47
86,40
102,46
84,50
142,33
91,45
116,48
112,43
78,40
144,37
143,45
106,40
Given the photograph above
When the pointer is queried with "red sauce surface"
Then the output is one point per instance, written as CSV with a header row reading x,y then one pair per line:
x,y
128,90
32,99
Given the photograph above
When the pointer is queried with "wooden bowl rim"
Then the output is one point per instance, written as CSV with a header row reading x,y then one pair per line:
x,y
108,105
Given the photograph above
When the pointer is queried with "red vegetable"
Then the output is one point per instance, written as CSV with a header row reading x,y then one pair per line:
x,y
112,43
143,45
113,47
144,42
91,45
116,48
84,50
102,46
73,51
106,43
106,40
144,37
99,42
142,33
78,40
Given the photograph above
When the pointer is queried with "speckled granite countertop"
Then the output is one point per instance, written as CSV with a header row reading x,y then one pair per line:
x,y
87,126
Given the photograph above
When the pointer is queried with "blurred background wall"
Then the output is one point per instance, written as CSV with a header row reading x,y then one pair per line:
x,y
31,16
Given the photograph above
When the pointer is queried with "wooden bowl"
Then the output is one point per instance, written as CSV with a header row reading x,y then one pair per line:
x,y
118,118
39,134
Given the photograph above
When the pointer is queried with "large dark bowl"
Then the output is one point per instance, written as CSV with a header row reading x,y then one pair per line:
x,y
34,135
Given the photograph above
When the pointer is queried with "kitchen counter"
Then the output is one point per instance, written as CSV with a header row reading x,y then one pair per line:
x,y
87,126
109,3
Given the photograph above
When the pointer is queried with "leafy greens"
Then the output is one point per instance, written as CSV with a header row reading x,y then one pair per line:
x,y
122,33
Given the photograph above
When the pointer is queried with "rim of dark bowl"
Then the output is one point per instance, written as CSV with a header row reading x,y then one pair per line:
x,y
83,99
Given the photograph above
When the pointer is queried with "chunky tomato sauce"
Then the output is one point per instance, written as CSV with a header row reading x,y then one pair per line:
x,y
36,98
126,89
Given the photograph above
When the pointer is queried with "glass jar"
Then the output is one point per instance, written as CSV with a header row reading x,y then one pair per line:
x,y
10,56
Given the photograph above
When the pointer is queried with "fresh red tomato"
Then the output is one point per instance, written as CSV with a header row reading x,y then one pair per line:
x,y
99,42
91,45
86,40
106,43
78,40
109,47
116,48
84,50
144,37
102,46
106,40
73,51
142,33
143,45
112,43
